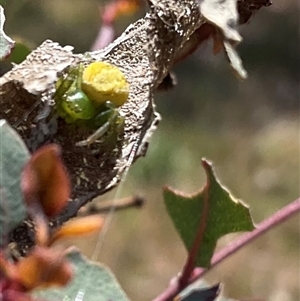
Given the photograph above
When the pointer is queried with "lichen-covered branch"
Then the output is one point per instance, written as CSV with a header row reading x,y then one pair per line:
x,y
145,53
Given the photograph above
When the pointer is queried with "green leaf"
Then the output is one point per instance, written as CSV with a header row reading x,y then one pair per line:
x,y
6,43
20,52
13,156
206,216
92,282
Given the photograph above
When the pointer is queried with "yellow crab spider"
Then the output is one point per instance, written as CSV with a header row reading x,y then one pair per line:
x,y
90,97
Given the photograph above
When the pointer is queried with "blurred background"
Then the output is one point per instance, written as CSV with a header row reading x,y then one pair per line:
x,y
249,130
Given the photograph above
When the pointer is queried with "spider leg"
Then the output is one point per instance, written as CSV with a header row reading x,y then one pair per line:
x,y
95,136
114,120
72,77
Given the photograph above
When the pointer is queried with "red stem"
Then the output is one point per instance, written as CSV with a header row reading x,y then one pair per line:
x,y
191,260
276,219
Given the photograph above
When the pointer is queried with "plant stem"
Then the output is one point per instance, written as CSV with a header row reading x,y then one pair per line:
x,y
276,219
191,259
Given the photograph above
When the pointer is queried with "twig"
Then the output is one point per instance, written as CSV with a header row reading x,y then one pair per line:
x,y
191,260
125,203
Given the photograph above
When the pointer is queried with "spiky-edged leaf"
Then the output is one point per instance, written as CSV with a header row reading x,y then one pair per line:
x,y
206,216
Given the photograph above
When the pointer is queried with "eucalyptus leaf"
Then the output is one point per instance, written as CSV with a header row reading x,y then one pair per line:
x,y
6,43
13,156
92,282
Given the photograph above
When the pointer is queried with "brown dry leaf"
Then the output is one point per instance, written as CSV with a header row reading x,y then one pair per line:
x,y
45,179
7,268
44,268
224,15
11,289
78,226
